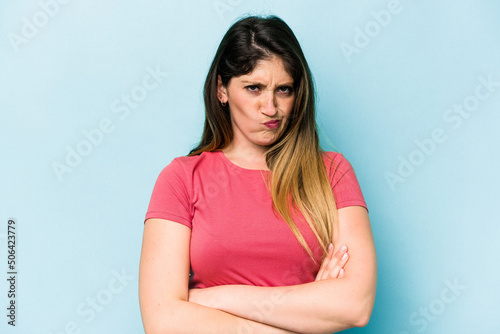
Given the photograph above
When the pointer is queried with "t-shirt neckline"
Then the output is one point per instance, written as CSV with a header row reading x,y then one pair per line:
x,y
235,167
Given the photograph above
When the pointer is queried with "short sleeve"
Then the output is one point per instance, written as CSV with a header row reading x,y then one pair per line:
x,y
170,199
344,182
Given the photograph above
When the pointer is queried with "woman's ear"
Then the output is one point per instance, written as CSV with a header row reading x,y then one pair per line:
x,y
221,90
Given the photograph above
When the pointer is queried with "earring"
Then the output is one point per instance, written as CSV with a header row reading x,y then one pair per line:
x,y
222,103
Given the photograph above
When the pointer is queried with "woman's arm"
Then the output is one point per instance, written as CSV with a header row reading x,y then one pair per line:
x,y
323,306
163,288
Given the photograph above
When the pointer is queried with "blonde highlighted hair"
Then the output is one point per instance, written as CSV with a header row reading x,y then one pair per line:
x,y
299,181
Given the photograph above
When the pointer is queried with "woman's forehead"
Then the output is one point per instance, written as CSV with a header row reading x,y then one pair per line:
x,y
267,70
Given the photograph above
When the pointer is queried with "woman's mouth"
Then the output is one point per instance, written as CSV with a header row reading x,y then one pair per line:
x,y
272,124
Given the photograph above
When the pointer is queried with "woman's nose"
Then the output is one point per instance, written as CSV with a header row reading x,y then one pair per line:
x,y
268,106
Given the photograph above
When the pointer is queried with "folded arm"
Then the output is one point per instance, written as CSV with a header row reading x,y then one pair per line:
x,y
163,288
323,306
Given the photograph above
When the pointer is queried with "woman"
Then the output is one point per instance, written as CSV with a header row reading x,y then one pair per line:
x,y
258,213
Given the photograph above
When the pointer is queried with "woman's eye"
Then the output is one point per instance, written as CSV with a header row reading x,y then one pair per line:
x,y
252,88
285,89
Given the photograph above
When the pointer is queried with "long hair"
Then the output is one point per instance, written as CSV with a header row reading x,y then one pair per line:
x,y
299,180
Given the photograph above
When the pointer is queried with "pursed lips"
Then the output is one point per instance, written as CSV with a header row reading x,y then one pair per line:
x,y
272,124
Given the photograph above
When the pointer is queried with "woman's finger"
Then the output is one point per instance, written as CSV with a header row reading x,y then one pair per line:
x,y
337,262
326,260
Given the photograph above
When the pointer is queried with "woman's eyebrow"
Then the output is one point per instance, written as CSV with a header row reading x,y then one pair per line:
x,y
259,83
255,82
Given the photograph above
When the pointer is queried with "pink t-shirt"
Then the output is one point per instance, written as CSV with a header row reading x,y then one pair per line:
x,y
235,236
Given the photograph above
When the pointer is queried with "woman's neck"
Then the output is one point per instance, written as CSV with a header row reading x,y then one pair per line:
x,y
246,157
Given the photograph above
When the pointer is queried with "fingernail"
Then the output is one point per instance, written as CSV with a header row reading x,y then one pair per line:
x,y
344,257
344,248
341,274
330,246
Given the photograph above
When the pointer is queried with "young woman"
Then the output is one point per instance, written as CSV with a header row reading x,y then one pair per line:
x,y
249,232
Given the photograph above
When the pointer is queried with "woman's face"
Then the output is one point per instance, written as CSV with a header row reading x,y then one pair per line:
x,y
260,103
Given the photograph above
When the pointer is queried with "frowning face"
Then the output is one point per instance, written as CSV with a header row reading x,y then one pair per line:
x,y
260,103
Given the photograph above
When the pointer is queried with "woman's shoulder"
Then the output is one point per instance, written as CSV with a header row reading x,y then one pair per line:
x,y
183,168
192,159
338,158
190,163
343,180
336,163
332,155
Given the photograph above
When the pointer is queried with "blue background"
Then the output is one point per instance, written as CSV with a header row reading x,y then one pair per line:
x,y
389,74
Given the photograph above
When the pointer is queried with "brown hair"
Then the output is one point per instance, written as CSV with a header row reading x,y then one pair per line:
x,y
299,179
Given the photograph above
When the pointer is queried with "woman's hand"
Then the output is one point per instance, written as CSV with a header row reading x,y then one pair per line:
x,y
327,305
333,265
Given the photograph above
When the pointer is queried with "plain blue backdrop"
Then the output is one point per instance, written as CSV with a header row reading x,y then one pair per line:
x,y
96,97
